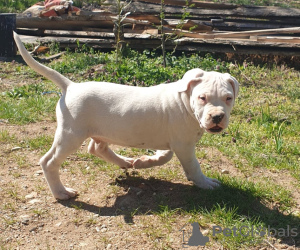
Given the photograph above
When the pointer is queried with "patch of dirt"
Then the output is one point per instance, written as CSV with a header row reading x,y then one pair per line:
x,y
113,211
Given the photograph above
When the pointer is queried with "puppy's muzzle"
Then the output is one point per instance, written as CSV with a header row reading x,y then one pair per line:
x,y
216,119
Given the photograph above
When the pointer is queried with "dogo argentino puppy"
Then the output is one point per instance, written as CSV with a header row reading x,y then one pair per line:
x,y
168,117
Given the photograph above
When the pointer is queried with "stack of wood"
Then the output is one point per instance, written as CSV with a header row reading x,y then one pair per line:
x,y
189,26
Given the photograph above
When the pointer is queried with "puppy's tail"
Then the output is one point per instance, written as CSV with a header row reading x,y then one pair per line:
x,y
50,74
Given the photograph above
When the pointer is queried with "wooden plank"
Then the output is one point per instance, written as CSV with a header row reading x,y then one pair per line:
x,y
154,19
272,39
183,44
265,40
243,34
144,30
63,23
259,32
270,12
187,25
197,4
247,24
184,33
103,34
236,42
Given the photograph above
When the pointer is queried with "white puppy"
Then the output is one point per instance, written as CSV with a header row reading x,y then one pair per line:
x,y
168,117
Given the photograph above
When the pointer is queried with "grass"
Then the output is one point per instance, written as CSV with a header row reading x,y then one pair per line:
x,y
263,137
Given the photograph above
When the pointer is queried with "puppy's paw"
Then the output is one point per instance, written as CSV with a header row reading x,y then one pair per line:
x,y
208,183
126,163
66,194
143,162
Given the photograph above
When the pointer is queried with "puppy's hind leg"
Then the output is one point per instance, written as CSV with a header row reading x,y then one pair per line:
x,y
64,144
101,149
161,157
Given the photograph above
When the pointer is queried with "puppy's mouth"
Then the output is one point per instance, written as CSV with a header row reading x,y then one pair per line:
x,y
215,129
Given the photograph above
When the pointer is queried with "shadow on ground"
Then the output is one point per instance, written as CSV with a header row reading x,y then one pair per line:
x,y
148,196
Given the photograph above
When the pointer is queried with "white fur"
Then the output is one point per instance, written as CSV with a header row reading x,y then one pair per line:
x,y
167,117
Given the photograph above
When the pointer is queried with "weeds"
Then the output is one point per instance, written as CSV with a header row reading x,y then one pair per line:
x,y
25,91
264,123
15,5
265,115
277,133
118,28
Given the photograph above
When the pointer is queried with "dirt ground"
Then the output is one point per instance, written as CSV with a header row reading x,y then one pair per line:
x,y
101,217
113,210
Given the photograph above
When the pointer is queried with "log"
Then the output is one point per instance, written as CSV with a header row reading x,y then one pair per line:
x,y
196,4
188,25
7,26
243,25
243,34
272,39
59,23
101,33
273,13
238,47
257,32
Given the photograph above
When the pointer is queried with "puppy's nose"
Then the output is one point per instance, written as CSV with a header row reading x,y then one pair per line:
x,y
217,118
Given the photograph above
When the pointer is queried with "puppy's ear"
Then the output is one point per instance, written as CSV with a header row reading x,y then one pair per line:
x,y
190,79
184,84
235,85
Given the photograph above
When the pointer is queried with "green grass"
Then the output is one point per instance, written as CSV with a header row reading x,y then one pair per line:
x,y
28,103
38,143
15,5
263,136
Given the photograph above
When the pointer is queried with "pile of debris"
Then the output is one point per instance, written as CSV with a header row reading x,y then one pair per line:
x,y
189,26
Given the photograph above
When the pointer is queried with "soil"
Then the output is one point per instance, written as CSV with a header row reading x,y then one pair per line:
x,y
113,210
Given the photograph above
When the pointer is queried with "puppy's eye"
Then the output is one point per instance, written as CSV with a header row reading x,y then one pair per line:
x,y
202,98
228,98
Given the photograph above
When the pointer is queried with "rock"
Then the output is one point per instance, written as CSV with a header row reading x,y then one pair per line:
x,y
58,224
39,172
35,201
205,232
33,229
25,219
16,148
136,190
31,195
103,228
108,246
225,171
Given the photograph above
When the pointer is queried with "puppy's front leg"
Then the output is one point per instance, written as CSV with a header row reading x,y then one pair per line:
x,y
191,166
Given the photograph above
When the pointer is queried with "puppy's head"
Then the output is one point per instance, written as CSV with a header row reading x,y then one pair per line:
x,y
212,97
